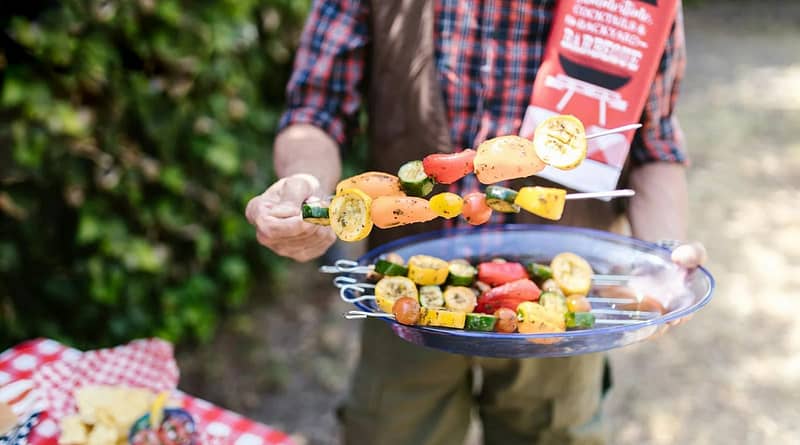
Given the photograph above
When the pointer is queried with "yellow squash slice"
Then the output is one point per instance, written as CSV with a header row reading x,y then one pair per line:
x,y
572,273
442,318
350,215
390,289
560,142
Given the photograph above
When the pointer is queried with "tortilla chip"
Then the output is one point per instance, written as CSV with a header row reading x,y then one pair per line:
x,y
103,434
113,405
73,431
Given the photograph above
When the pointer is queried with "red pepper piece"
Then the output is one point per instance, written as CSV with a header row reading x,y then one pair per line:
x,y
509,295
496,274
447,168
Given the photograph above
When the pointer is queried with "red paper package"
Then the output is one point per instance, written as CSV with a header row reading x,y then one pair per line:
x,y
599,64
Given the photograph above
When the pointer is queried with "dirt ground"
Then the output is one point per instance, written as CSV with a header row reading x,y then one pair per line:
x,y
731,375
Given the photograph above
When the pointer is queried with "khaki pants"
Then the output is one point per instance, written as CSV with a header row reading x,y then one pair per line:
x,y
405,394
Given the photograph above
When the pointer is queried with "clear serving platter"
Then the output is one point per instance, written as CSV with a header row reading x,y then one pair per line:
x,y
646,267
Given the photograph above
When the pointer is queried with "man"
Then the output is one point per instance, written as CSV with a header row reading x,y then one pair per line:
x,y
438,76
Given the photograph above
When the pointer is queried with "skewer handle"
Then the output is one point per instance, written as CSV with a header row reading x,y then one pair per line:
x,y
609,194
621,129
356,315
346,266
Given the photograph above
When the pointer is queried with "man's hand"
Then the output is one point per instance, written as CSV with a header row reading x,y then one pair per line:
x,y
279,223
688,256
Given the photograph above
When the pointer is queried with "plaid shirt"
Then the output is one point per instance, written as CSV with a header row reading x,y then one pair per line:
x,y
487,54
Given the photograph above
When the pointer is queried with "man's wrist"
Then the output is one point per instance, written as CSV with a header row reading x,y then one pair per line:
x,y
305,149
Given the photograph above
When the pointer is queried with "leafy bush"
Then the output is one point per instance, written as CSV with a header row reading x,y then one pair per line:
x,y
132,134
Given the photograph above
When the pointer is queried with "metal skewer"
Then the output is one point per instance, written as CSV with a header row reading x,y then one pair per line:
x,y
352,267
621,129
604,309
608,194
355,315
346,266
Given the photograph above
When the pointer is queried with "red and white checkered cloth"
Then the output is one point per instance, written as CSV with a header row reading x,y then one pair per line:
x,y
38,374
140,364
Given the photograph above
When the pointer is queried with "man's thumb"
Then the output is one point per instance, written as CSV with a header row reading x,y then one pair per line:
x,y
294,192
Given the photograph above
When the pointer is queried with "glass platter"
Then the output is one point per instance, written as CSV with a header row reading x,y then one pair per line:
x,y
680,293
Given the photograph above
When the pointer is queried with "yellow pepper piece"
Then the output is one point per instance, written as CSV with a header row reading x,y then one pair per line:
x,y
536,319
447,205
427,270
442,318
546,202
390,289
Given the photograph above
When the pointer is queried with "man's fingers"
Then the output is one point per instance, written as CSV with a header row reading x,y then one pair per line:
x,y
690,255
296,236
286,210
283,198
297,188
303,248
279,225
312,250
278,228
316,236
251,211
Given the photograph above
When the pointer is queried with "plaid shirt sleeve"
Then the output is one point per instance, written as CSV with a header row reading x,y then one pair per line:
x,y
660,138
324,89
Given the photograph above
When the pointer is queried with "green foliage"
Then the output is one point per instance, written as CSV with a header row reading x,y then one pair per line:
x,y
132,135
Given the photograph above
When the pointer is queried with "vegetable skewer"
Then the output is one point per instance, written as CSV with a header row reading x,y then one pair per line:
x,y
353,213
385,200
556,301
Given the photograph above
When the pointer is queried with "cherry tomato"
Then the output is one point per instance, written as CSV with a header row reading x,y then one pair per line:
x,y
578,303
495,273
447,205
447,168
506,320
475,210
406,310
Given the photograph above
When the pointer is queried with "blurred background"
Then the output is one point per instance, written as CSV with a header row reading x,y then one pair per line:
x,y
132,134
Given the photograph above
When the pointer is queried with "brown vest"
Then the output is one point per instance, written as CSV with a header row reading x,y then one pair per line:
x,y
407,117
